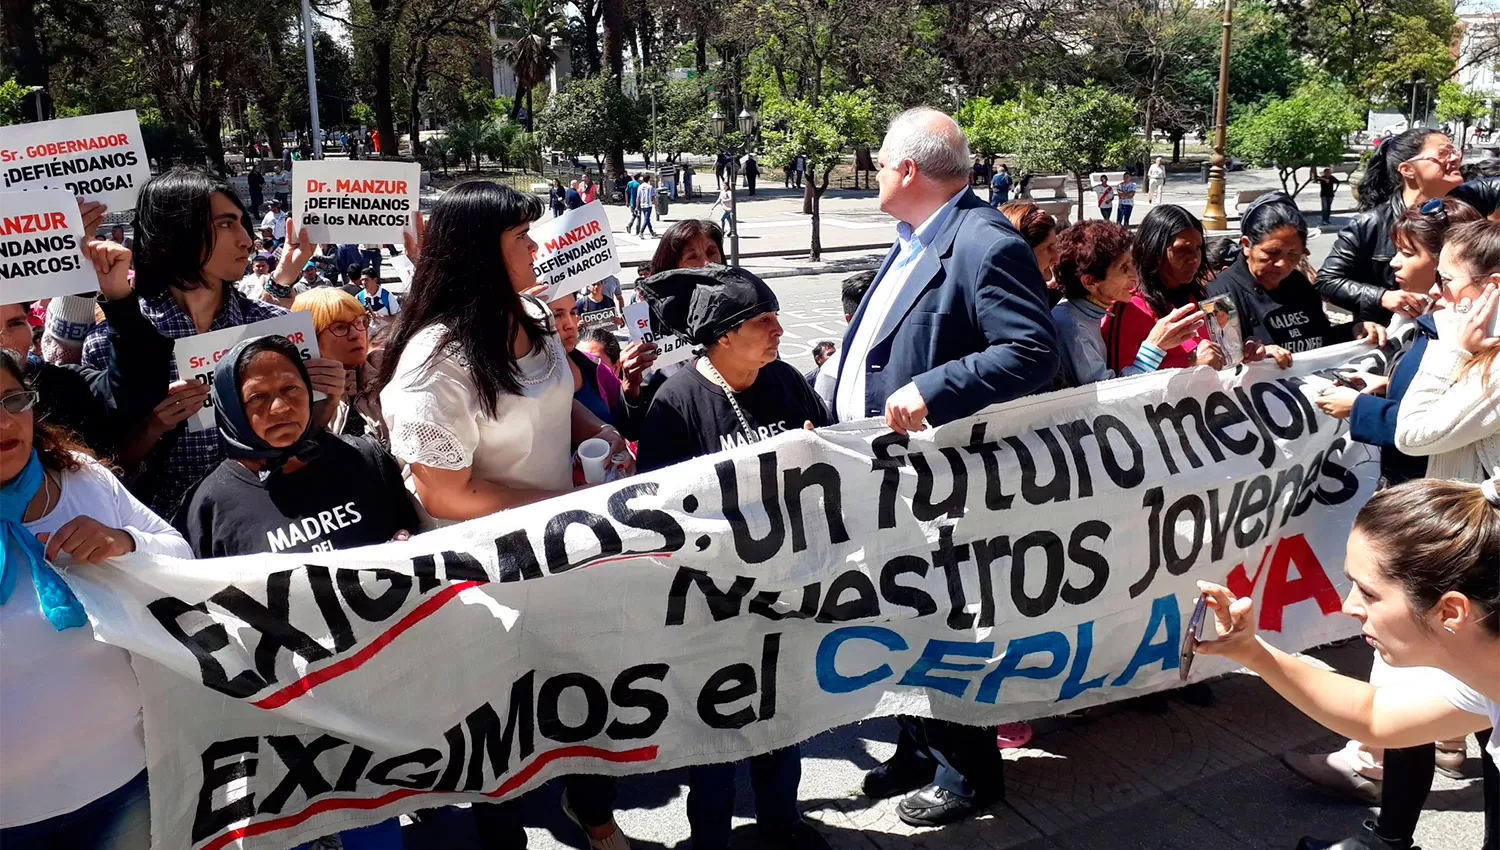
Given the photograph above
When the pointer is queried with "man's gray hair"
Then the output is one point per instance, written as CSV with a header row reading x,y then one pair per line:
x,y
931,139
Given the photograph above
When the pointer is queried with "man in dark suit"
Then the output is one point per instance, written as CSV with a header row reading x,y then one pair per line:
x,y
956,321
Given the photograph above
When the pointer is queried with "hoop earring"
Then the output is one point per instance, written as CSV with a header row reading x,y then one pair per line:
x,y
1449,630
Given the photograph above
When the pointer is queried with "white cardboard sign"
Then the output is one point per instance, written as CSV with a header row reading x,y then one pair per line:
x,y
574,250
40,238
100,157
341,202
198,356
670,348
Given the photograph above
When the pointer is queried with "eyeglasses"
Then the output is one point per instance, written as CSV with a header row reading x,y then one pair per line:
x,y
346,328
1444,157
19,402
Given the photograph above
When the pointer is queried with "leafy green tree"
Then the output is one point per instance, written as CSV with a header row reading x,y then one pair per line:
x,y
530,29
1375,47
823,133
683,124
591,116
11,93
1459,105
1308,129
1078,129
992,128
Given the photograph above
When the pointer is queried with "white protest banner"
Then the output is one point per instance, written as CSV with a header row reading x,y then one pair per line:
x,y
198,355
574,250
100,157
1036,558
670,348
41,238
343,201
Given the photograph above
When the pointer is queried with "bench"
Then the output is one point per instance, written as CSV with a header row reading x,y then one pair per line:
x,y
1245,197
1047,188
1059,210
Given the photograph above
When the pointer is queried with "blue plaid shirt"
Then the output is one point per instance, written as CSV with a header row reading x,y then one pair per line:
x,y
194,454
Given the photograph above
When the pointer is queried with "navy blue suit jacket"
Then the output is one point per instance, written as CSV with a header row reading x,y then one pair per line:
x,y
971,328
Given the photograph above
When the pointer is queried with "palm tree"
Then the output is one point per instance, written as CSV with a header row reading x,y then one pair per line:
x,y
528,30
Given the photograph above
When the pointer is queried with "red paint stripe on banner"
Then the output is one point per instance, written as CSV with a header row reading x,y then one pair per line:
x,y
418,614
639,754
344,665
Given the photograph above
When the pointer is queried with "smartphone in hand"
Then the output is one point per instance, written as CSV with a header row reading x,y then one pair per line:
x,y
1353,382
1190,637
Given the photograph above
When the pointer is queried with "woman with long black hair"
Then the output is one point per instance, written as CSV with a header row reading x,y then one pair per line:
x,y
192,239
479,406
1416,166
1170,269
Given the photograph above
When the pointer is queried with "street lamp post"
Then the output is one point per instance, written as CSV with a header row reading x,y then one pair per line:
x,y
312,81
734,207
1214,215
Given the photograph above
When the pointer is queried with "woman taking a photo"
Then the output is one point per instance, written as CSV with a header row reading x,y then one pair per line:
x,y
736,394
1421,559
1416,166
1169,263
1276,304
70,710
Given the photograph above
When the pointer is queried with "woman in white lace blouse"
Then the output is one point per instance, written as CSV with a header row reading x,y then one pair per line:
x,y
480,402
480,407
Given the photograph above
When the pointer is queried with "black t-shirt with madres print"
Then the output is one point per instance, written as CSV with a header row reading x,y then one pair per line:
x,y
691,416
1290,316
350,495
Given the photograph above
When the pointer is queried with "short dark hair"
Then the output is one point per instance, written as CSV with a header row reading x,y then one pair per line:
x,y
369,271
1222,253
1088,248
823,349
605,337
174,229
675,241
854,289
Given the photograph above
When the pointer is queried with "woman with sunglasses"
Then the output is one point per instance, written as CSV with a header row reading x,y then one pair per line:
x,y
1416,166
343,327
70,710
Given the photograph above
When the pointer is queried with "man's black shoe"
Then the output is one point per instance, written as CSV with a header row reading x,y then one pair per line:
x,y
891,778
934,806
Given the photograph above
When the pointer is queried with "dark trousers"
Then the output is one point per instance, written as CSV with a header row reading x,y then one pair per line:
x,y
1408,780
964,760
256,199
710,803
750,183
1327,209
591,797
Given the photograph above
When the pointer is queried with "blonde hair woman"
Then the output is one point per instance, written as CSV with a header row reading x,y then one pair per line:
x,y
343,328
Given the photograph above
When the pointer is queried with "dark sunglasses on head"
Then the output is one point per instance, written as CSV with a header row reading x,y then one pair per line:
x,y
19,402
1434,209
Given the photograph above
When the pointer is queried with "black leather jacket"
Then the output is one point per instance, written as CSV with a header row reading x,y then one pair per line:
x,y
1358,270
1482,194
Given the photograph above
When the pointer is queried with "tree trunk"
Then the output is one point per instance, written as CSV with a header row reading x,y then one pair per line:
x,y
807,195
614,55
418,86
700,49
815,253
21,42
530,110
380,60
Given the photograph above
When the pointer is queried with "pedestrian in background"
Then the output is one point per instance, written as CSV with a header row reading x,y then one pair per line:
x,y
645,197
1126,191
1156,181
1106,194
1327,186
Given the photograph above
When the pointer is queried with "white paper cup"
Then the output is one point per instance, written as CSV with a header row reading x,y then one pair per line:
x,y
593,455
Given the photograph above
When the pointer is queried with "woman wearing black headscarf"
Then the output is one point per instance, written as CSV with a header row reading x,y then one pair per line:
x,y
287,485
737,393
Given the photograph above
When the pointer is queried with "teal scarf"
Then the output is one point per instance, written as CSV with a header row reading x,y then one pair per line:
x,y
58,603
